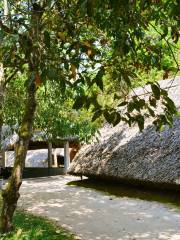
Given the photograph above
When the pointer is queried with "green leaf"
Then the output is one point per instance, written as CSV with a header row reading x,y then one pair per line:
x,y
96,115
152,101
63,85
66,66
123,104
99,78
52,74
151,112
141,103
116,96
164,92
137,104
88,102
156,91
117,118
127,80
108,116
47,39
170,105
140,122
112,118
165,31
79,102
131,106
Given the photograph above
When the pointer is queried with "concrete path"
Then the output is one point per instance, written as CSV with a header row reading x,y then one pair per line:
x,y
92,215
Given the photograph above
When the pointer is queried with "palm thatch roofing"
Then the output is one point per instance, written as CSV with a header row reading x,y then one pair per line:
x,y
125,154
38,140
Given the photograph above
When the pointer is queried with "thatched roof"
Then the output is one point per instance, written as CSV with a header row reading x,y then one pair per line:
x,y
9,136
124,153
38,141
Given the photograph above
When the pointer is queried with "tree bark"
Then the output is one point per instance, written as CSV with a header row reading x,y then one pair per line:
x,y
2,88
32,54
11,193
2,80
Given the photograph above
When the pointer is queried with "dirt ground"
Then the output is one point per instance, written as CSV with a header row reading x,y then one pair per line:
x,y
93,215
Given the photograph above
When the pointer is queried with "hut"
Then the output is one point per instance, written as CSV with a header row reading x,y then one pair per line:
x,y
127,155
43,157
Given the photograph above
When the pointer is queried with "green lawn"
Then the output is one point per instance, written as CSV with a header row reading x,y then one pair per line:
x,y
30,227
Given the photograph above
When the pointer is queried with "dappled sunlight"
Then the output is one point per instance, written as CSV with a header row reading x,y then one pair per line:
x,y
94,215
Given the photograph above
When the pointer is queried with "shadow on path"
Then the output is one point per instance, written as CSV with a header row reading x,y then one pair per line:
x,y
93,215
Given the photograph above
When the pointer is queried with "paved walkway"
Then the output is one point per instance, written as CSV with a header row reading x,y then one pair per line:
x,y
93,215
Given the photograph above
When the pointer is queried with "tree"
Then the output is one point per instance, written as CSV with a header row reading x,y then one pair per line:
x,y
11,193
2,80
37,44
82,45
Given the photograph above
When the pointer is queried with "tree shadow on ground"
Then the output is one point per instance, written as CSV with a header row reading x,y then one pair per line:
x,y
121,189
96,216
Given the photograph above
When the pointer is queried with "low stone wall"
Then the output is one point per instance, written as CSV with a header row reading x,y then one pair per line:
x,y
38,172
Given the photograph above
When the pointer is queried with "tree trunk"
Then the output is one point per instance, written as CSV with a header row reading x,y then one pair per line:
x,y
11,193
1,110
2,87
32,54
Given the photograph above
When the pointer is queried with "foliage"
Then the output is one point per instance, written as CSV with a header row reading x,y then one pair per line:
x,y
54,114
57,118
73,48
98,49
29,227
60,63
140,36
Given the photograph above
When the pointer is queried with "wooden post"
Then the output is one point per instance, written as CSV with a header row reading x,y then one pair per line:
x,y
66,157
5,158
49,155
2,158
55,158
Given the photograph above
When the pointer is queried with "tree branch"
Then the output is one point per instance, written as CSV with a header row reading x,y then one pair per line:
x,y
167,44
172,53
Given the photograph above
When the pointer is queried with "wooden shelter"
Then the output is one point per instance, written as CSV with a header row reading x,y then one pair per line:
x,y
39,142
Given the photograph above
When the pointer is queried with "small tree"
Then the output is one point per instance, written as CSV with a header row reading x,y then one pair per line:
x,y
46,42
82,43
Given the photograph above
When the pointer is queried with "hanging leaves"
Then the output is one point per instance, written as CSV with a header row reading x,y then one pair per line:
x,y
79,102
156,91
112,117
96,115
140,121
123,104
170,105
99,78
152,101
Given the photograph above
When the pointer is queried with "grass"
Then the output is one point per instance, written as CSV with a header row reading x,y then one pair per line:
x,y
124,190
30,227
